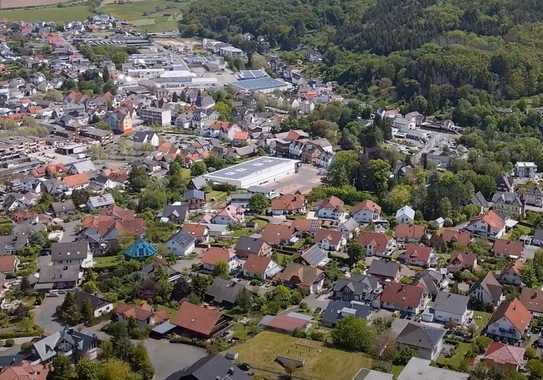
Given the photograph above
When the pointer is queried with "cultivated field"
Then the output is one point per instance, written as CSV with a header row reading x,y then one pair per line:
x,y
49,13
6,4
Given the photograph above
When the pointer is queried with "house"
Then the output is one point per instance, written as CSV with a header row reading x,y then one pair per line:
x,y
433,281
420,369
315,256
488,291
76,181
508,248
248,246
58,276
362,288
384,270
376,243
330,208
211,367
199,321
174,213
262,267
146,137
63,209
531,195
409,233
337,309
79,167
72,253
504,357
288,204
329,239
418,255
410,299
512,274
120,121
196,199
143,314
215,255
425,340
450,308
200,232
507,205
532,299
100,201
405,215
286,323
140,249
525,169
461,261
98,305
304,277
370,374
489,225
9,264
231,214
181,244
225,292
349,228
366,212
25,370
448,237
277,234
510,322
66,342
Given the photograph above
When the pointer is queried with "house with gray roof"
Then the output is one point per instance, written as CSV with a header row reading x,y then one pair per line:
x,y
451,308
181,244
337,310
370,374
72,253
66,342
175,212
420,369
58,276
426,340
63,208
225,292
384,270
100,201
79,167
315,256
211,367
248,245
358,287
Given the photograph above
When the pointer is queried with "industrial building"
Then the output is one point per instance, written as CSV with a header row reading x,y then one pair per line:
x,y
254,172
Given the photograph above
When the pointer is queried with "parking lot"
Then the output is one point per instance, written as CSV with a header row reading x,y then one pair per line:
x,y
168,358
303,181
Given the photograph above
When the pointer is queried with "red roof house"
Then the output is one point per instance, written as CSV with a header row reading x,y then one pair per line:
x,y
199,321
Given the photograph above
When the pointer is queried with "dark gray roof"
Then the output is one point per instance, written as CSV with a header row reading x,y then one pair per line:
x,y
337,310
210,368
194,194
359,284
314,255
183,239
249,244
179,211
198,183
506,198
420,335
96,302
63,207
451,303
46,348
69,250
58,273
384,268
225,290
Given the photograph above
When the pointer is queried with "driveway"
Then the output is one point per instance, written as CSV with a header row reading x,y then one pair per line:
x,y
185,265
314,301
44,314
168,358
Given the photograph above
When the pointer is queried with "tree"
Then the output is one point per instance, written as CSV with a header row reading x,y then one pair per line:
x,y
343,168
221,269
87,313
62,368
80,197
259,203
535,367
141,363
355,252
115,369
353,334
198,168
87,370
138,178
68,311
375,175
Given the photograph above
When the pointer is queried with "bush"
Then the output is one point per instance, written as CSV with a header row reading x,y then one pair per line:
x,y
9,343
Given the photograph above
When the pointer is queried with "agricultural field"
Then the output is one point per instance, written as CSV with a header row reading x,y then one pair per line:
x,y
6,4
57,14
320,362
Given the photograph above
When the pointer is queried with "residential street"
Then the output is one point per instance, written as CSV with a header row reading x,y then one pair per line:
x,y
43,315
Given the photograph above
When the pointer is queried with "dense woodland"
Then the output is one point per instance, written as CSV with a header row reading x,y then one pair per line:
x,y
459,58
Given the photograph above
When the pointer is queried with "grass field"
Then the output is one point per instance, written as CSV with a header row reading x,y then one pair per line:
x,y
149,15
481,319
320,362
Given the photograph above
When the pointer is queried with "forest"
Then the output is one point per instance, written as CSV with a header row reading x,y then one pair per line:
x,y
456,58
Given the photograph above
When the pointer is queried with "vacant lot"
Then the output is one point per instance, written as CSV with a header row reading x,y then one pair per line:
x,y
320,362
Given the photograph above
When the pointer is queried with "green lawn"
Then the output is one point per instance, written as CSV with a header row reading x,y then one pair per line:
x,y
51,13
105,262
320,362
481,319
456,361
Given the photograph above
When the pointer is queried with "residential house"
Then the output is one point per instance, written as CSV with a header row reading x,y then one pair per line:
x,y
366,212
489,225
174,213
507,205
288,204
199,321
181,244
508,248
140,249
426,340
448,237
405,215
231,214
330,208
512,274
200,232
76,181
143,314
304,277
99,306
376,243
79,167
525,169
9,265
418,255
286,323
488,291
409,233
196,199
121,120
72,253
58,276
337,310
384,270
248,246
146,137
225,292
504,357
262,267
537,240
63,209
451,308
461,261
349,228
532,299
410,299
420,369
315,256
66,342
362,288
211,367
510,322
215,255
531,195
25,370
329,239
433,281
278,234
100,201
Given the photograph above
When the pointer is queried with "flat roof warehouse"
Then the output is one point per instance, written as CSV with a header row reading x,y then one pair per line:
x,y
254,172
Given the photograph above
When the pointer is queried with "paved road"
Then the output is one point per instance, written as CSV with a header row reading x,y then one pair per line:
x,y
168,358
43,315
317,301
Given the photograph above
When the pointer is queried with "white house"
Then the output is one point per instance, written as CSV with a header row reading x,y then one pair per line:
x,y
331,208
489,225
405,215
510,321
451,308
525,169
366,212
181,244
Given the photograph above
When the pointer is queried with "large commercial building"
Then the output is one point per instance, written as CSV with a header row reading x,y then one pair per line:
x,y
159,116
254,172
